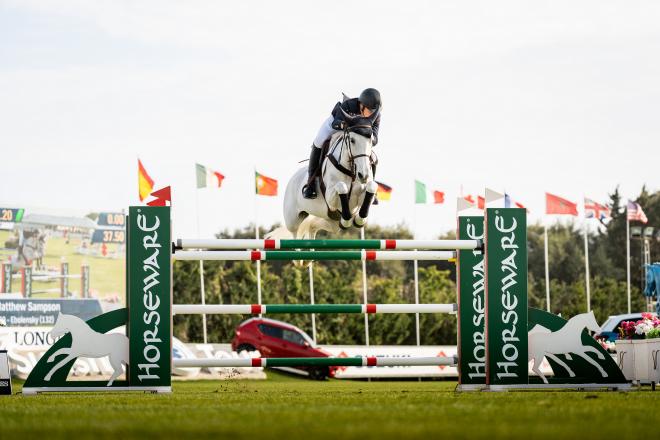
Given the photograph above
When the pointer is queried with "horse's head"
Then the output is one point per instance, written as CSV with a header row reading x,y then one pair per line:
x,y
358,133
589,322
61,326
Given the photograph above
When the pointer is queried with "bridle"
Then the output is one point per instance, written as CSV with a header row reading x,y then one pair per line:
x,y
345,141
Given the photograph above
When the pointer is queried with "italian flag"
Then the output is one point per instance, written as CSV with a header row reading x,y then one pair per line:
x,y
207,177
421,194
265,186
145,183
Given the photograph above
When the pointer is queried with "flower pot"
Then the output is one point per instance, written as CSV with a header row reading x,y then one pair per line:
x,y
641,349
626,358
654,360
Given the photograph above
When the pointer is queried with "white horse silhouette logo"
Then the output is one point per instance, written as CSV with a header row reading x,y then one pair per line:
x,y
567,340
88,343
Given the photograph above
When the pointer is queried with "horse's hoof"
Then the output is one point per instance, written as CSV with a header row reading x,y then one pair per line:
x,y
345,224
359,222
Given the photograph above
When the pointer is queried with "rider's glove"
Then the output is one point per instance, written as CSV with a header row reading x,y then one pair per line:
x,y
338,124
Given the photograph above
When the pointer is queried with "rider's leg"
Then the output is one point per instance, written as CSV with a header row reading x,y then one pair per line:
x,y
309,190
325,132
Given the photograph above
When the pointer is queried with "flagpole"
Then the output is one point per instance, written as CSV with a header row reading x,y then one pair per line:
x,y
628,257
365,292
586,263
256,235
311,298
416,278
201,272
547,269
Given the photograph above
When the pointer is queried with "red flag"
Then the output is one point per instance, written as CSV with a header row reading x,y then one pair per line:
x,y
438,197
481,202
162,196
557,205
469,199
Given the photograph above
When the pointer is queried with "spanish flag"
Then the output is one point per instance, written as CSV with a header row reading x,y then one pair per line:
x,y
145,183
266,186
384,191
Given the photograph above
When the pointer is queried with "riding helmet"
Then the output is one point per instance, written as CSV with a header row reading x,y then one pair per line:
x,y
370,98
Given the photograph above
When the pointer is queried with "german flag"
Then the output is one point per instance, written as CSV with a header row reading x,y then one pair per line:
x,y
384,191
145,183
265,186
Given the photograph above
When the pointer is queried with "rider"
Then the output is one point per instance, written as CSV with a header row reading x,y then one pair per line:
x,y
368,103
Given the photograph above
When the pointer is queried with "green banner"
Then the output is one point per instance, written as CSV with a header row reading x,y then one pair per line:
x,y
471,305
26,282
6,278
149,296
506,296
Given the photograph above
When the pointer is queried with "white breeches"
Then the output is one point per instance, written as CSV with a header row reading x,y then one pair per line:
x,y
325,132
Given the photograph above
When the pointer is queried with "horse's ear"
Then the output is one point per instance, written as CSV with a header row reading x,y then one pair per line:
x,y
344,97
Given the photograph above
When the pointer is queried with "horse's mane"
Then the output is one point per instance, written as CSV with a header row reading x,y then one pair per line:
x,y
361,126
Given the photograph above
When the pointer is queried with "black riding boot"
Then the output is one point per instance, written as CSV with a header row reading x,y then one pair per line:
x,y
309,190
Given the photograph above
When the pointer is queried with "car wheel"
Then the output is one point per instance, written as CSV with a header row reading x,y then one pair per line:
x,y
319,373
245,347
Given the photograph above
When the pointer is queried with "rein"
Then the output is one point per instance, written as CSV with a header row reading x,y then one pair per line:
x,y
344,141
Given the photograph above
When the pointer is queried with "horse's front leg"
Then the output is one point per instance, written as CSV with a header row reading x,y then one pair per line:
x,y
342,192
60,352
361,217
59,365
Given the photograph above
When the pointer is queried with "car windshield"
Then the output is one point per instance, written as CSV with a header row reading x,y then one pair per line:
x,y
292,336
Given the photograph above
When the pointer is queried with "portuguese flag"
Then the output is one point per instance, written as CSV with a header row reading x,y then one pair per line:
x,y
145,183
384,191
265,186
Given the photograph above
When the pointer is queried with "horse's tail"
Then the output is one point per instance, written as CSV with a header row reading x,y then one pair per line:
x,y
279,233
312,225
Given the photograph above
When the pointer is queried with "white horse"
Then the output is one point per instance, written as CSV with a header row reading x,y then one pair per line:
x,y
88,343
567,340
346,186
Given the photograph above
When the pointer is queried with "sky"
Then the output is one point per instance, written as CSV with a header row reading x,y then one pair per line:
x,y
518,96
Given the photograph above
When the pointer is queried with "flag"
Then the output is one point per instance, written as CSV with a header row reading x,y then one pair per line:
x,y
145,183
384,191
494,199
438,197
420,192
470,199
208,177
595,210
481,202
266,186
557,205
510,203
635,212
162,196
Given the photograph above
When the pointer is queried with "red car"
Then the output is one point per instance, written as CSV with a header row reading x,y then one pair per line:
x,y
278,339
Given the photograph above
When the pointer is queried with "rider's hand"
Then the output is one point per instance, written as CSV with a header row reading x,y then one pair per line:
x,y
338,124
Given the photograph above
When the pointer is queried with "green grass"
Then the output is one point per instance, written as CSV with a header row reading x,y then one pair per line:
x,y
106,275
286,407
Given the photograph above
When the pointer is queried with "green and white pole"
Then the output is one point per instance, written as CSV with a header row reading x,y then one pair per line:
x,y
367,361
364,255
234,244
258,309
